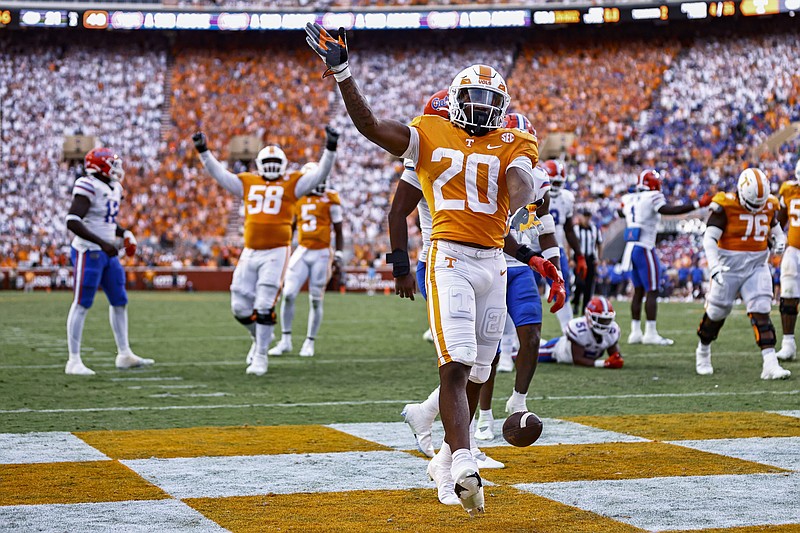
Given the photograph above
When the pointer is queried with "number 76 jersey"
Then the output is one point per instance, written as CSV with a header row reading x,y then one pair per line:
x,y
744,230
463,177
268,210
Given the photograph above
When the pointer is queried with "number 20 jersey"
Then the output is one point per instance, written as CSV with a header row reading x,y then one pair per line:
x,y
101,219
463,177
268,210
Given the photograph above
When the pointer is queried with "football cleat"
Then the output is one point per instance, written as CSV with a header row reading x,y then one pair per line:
x,y
771,369
506,363
427,336
129,360
469,489
421,426
788,352
283,346
307,350
251,353
484,461
703,360
515,407
259,365
439,472
485,429
656,340
77,368
635,337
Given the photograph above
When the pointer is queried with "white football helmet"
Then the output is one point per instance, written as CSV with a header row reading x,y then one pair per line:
x,y
271,162
478,99
753,189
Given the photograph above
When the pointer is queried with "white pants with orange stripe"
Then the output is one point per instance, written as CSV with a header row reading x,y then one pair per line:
x,y
466,304
790,273
257,280
312,265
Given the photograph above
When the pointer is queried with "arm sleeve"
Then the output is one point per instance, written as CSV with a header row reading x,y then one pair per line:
x,y
711,245
412,152
229,181
336,213
658,201
309,180
411,177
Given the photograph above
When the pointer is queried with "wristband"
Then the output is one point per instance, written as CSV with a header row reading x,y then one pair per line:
x,y
524,254
696,204
342,74
551,253
401,266
338,255
599,363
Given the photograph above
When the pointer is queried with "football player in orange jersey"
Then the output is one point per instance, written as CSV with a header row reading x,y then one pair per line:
x,y
472,173
740,232
316,214
789,198
269,197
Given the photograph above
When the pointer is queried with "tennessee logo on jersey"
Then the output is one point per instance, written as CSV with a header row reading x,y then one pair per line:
x,y
463,178
316,215
789,195
268,210
744,231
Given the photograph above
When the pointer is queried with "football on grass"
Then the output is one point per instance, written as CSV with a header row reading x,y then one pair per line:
x,y
522,429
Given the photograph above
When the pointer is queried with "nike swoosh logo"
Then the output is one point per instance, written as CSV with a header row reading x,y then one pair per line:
x,y
490,147
502,272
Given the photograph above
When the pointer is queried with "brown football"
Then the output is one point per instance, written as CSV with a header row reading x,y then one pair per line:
x,y
522,428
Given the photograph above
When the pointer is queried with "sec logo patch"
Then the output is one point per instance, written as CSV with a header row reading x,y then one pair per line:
x,y
507,137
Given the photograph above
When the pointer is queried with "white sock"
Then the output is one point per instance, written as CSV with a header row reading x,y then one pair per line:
x,y
485,415
636,326
473,444
431,404
650,328
75,320
564,316
768,353
787,340
462,459
263,338
519,398
118,316
287,313
445,451
286,337
314,317
706,350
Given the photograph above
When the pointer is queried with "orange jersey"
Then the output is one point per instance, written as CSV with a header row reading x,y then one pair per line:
x,y
316,215
790,199
745,231
463,178
268,210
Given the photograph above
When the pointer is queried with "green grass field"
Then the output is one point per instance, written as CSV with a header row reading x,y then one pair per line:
x,y
370,360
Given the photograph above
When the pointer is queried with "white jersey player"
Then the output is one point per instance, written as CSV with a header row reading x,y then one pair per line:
x,y
642,210
92,218
587,338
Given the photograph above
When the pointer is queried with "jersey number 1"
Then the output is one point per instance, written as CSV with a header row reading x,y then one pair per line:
x,y
473,200
264,199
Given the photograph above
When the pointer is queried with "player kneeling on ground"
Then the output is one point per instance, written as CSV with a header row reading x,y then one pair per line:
x,y
93,219
587,338
740,231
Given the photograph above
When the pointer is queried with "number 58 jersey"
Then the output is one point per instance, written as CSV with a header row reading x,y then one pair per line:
x,y
789,194
268,210
101,219
463,177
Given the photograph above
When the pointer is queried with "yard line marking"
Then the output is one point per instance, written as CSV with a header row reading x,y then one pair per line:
x,y
377,402
237,362
163,378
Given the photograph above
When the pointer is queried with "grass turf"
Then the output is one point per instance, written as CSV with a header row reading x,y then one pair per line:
x,y
370,354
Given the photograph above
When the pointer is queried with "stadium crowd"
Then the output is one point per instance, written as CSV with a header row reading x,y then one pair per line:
x,y
682,108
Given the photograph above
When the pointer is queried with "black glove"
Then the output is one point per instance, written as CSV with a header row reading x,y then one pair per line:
x,y
331,138
200,142
330,45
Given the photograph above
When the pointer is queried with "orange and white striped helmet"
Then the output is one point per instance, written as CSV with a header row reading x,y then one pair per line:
x,y
753,189
478,99
271,162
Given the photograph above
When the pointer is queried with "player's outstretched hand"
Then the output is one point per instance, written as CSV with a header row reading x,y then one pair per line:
x,y
614,361
109,249
405,286
331,138
200,142
130,243
716,273
581,268
330,45
705,200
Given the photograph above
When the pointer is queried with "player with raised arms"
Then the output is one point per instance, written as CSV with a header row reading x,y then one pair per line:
x,y
472,172
270,197
740,232
642,210
789,215
317,215
92,217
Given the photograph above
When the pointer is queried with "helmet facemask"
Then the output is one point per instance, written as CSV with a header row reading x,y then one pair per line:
x,y
478,110
116,173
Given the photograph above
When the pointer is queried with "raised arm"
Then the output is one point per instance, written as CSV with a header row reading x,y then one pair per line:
x,y
229,181
311,179
331,46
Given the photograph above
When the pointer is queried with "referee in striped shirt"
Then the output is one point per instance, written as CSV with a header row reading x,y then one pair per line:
x,y
591,241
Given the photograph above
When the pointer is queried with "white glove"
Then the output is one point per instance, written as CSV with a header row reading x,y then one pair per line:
x,y
716,273
777,242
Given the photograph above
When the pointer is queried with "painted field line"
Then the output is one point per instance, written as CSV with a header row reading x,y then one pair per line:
x,y
374,402
276,361
162,378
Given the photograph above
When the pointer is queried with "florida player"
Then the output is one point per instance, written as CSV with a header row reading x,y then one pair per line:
x,y
642,210
270,197
740,231
587,338
92,217
789,197
472,173
317,215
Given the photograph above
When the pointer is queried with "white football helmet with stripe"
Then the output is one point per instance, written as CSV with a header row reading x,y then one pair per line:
x,y
271,162
478,99
753,189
